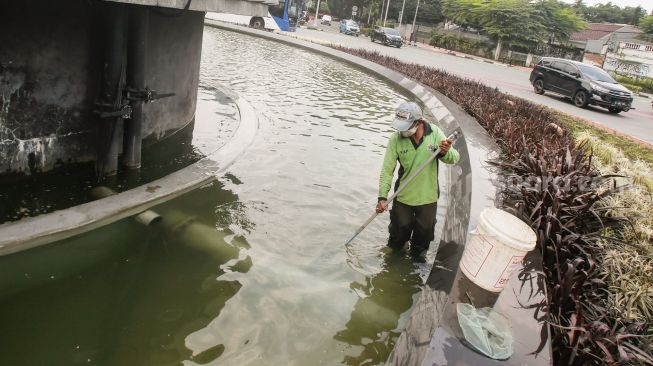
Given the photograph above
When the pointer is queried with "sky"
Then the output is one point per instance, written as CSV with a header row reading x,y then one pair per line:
x,y
646,4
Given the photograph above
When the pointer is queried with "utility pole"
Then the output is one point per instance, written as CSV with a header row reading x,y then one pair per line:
x,y
382,8
369,13
401,15
415,20
317,12
386,12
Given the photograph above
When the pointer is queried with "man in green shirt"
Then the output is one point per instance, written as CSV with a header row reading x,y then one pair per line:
x,y
413,211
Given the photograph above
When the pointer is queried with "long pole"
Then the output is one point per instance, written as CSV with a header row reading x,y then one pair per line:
x,y
382,8
401,15
387,6
452,137
317,11
414,20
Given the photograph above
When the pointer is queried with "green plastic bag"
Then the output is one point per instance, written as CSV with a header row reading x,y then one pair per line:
x,y
488,331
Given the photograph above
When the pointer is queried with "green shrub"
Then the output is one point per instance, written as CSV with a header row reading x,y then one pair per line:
x,y
633,88
461,44
644,84
366,31
388,24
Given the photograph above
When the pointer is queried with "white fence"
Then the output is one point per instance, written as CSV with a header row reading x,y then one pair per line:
x,y
632,59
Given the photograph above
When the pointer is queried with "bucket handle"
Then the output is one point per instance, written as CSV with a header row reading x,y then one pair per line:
x,y
476,232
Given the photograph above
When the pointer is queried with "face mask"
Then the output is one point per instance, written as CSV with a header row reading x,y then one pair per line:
x,y
410,132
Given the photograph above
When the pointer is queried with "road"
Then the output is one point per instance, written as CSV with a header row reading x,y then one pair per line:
x,y
637,123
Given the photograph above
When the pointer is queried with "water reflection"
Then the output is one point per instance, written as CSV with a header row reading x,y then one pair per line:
x,y
373,325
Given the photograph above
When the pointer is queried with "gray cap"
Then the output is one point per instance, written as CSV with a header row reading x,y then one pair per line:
x,y
406,114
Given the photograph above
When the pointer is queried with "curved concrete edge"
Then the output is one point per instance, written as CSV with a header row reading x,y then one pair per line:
x,y
44,229
427,338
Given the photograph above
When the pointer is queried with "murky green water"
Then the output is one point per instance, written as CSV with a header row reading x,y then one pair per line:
x,y
294,295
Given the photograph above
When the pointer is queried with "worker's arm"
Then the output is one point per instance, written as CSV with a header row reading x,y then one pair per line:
x,y
388,168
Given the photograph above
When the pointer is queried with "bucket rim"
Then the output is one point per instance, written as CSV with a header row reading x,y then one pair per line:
x,y
509,238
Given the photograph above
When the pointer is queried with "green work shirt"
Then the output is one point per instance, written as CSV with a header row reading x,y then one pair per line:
x,y
424,188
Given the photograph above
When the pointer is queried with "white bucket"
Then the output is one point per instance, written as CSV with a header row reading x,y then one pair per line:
x,y
496,248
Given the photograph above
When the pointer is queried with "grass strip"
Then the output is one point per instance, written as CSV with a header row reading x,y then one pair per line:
x,y
632,149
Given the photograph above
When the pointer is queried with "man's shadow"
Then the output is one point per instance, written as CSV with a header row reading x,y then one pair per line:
x,y
385,296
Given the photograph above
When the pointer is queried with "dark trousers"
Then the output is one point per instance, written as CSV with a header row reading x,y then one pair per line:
x,y
414,223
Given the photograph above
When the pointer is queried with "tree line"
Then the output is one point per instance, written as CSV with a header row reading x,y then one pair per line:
x,y
433,11
519,24
609,13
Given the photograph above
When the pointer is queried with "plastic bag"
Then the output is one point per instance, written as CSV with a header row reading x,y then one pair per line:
x,y
488,331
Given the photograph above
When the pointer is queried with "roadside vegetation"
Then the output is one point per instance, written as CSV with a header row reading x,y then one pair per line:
x,y
631,149
462,44
432,11
636,84
587,195
515,23
646,25
627,269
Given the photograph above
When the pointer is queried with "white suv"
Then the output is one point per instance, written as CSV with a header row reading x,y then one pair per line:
x,y
326,19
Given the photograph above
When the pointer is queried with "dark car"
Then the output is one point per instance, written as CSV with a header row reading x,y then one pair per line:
x,y
387,36
584,84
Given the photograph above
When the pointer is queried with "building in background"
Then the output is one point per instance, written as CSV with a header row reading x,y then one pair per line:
x,y
632,59
599,38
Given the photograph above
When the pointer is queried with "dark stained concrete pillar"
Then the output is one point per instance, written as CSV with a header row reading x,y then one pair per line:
x,y
54,69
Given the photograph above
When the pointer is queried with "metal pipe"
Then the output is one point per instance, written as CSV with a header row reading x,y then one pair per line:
x,y
136,52
146,218
110,129
197,236
188,231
